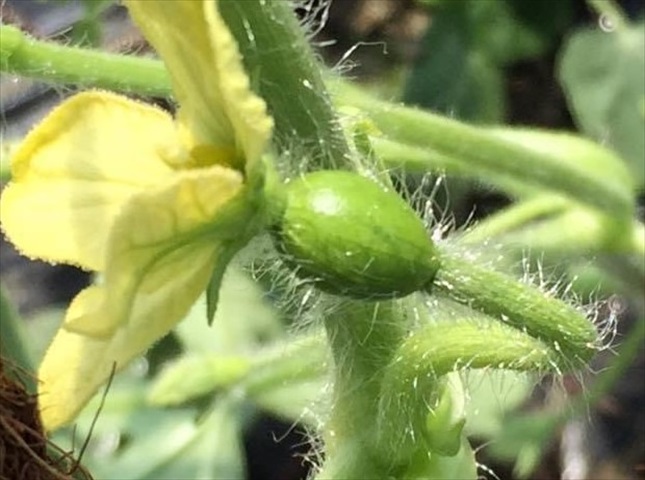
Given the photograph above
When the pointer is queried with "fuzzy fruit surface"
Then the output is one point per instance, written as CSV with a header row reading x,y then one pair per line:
x,y
352,236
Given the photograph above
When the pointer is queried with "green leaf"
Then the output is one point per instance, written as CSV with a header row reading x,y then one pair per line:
x,y
284,379
41,328
459,71
213,450
505,36
603,75
14,349
289,379
453,75
134,441
302,400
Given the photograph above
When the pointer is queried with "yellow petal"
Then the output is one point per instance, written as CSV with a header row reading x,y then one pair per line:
x,y
76,365
153,238
74,172
164,247
217,106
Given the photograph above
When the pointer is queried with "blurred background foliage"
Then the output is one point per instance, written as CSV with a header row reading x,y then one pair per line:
x,y
240,399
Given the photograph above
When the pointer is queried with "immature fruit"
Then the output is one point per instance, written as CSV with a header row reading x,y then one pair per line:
x,y
354,237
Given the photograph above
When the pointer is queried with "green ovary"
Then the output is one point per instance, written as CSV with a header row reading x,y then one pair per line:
x,y
352,236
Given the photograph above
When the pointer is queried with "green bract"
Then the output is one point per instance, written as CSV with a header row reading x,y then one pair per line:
x,y
354,237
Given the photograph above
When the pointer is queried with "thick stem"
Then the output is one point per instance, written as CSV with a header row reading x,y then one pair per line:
x,y
280,62
363,337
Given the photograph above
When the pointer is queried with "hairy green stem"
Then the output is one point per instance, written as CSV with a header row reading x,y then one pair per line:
x,y
501,153
409,387
23,55
363,338
287,75
414,159
563,328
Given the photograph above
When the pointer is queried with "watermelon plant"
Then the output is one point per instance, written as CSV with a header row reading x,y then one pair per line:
x,y
262,229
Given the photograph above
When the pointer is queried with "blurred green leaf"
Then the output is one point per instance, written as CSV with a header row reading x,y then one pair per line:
x,y
521,29
209,449
14,349
41,328
501,33
452,75
288,379
305,401
284,379
196,375
459,71
132,440
523,439
95,7
603,75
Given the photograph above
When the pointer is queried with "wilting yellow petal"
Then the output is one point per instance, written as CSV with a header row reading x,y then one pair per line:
x,y
74,172
217,106
153,238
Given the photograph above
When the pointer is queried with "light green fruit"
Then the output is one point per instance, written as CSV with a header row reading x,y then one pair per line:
x,y
352,236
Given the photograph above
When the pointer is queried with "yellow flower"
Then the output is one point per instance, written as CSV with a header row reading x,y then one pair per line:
x,y
157,206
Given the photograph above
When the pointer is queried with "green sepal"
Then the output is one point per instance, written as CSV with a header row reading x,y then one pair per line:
x,y
212,290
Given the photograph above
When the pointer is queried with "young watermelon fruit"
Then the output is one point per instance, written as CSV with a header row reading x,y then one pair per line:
x,y
352,236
